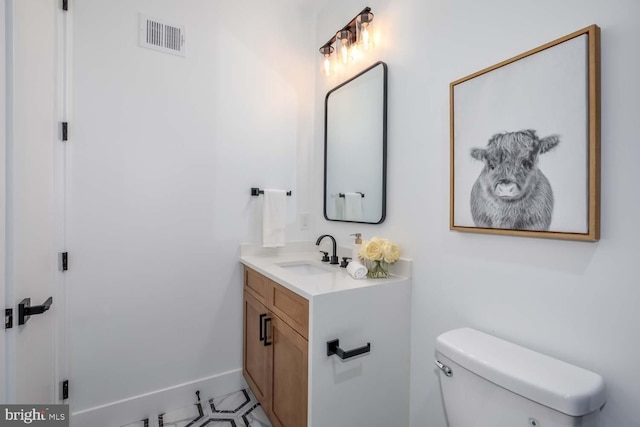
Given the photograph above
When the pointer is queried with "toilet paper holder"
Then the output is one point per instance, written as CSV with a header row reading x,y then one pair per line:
x,y
333,347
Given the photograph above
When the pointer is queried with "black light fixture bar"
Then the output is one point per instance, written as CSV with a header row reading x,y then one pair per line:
x,y
351,26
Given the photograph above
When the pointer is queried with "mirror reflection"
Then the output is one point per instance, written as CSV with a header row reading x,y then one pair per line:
x,y
355,148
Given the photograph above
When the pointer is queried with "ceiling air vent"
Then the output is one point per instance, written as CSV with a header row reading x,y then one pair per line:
x,y
158,35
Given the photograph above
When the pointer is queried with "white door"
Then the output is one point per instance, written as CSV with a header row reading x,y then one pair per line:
x,y
28,199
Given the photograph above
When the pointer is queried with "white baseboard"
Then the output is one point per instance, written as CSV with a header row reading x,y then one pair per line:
x,y
150,405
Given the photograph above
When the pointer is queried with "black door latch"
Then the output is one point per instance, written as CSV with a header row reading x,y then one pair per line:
x,y
25,310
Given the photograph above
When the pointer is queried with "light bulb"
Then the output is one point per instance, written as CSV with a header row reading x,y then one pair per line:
x,y
344,36
344,50
365,37
326,51
364,29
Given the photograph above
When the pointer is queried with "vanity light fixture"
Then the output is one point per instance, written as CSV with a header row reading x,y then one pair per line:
x,y
349,42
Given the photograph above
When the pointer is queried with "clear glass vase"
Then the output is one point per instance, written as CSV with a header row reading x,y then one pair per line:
x,y
377,269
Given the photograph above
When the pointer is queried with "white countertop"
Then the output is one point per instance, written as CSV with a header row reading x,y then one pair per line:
x,y
309,286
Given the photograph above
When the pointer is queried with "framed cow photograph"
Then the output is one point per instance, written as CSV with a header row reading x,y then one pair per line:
x,y
525,143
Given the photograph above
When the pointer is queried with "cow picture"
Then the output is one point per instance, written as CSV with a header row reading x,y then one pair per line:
x,y
511,191
525,144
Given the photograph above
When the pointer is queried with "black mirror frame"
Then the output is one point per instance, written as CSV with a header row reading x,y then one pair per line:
x,y
384,143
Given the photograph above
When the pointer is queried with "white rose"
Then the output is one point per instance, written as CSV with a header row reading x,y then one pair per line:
x,y
391,252
372,249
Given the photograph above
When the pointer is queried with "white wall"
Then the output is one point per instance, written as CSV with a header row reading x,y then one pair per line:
x,y
163,151
574,301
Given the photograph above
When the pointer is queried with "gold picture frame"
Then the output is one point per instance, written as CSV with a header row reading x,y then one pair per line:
x,y
511,195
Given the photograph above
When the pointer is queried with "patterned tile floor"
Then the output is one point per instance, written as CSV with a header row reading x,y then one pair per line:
x,y
238,409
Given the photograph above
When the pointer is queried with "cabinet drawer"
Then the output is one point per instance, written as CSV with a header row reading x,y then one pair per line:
x,y
291,307
256,284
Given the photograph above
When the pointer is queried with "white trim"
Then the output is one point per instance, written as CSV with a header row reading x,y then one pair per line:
x,y
9,293
60,293
150,405
3,205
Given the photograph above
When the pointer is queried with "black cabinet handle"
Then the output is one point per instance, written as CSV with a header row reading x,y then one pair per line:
x,y
262,316
333,347
267,343
25,310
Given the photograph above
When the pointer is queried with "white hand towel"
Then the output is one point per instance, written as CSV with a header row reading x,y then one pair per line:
x,y
357,270
339,207
353,206
274,212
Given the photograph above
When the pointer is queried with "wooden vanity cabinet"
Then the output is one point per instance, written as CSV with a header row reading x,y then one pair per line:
x,y
292,375
275,355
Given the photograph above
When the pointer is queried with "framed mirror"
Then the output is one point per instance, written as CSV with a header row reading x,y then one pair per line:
x,y
355,148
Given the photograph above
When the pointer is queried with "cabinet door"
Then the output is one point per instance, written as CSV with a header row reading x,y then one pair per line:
x,y
289,382
256,356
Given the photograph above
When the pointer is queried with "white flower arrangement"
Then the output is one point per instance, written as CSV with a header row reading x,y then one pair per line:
x,y
378,253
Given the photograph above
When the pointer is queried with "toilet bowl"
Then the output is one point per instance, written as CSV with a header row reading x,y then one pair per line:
x,y
489,382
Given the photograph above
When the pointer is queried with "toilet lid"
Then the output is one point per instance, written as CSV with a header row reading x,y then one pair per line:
x,y
551,382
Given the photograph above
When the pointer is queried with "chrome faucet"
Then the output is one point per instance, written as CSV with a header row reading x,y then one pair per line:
x,y
334,257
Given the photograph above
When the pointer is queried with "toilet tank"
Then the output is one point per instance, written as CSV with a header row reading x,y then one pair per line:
x,y
495,383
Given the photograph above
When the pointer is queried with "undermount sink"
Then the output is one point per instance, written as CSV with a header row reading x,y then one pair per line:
x,y
305,268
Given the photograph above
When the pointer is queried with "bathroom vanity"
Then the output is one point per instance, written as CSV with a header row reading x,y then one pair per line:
x,y
295,308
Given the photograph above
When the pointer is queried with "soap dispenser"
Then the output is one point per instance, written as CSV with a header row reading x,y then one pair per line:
x,y
355,256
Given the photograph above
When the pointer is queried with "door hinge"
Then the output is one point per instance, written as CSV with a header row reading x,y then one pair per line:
x,y
65,131
65,5
8,318
64,261
65,389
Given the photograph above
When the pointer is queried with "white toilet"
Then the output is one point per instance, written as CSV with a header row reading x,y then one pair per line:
x,y
489,382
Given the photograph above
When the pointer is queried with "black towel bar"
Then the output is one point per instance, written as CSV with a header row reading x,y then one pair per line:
x,y
255,191
343,196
